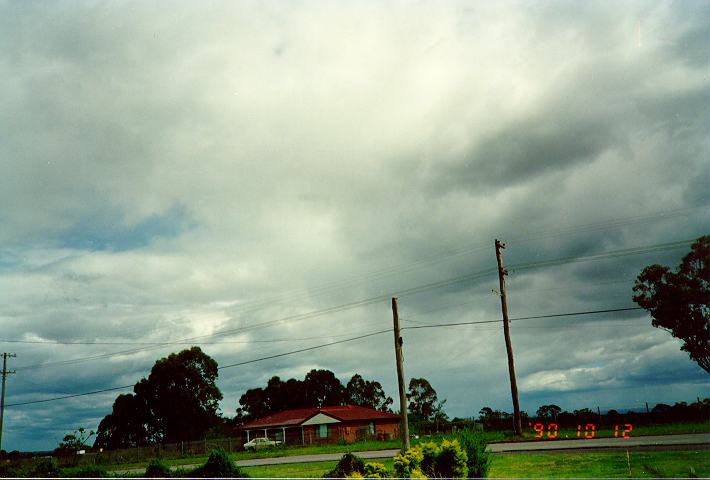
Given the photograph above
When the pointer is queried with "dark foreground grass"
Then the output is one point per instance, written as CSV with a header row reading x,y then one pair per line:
x,y
676,464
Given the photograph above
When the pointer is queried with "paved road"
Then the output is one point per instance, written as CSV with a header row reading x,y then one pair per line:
x,y
701,440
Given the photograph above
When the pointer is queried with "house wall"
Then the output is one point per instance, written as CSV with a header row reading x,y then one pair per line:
x,y
350,431
360,430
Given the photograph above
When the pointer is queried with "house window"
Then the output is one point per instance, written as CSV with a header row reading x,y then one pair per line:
x,y
323,431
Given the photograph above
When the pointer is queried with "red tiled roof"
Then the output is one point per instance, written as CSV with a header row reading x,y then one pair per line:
x,y
289,418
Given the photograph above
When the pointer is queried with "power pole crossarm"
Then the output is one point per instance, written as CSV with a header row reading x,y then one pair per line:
x,y
508,346
400,377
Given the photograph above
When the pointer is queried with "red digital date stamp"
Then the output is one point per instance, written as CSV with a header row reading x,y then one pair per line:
x,y
550,430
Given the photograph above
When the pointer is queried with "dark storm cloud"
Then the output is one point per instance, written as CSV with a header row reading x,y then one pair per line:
x,y
528,150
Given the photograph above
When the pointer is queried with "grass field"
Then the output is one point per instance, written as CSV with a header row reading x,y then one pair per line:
x,y
603,464
676,464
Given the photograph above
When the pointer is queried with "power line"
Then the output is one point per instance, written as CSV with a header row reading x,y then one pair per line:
x,y
556,315
94,392
359,337
297,294
304,349
297,317
372,300
602,256
123,387
226,342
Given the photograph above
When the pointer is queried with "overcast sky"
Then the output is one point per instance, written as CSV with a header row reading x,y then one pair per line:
x,y
175,170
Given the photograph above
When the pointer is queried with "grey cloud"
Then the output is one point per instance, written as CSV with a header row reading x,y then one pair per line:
x,y
167,175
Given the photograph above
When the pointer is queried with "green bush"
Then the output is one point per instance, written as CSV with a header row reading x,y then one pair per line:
x,y
451,461
9,469
347,466
157,469
430,451
218,465
44,468
447,460
375,470
479,460
407,464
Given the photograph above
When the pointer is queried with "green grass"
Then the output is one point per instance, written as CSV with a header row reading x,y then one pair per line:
x,y
557,465
603,464
285,451
301,470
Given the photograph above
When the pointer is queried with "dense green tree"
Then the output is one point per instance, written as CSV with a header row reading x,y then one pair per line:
x,y
548,411
366,394
319,388
181,395
422,399
323,388
178,401
679,301
125,426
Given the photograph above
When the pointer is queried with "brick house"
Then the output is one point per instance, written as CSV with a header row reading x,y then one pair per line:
x,y
306,426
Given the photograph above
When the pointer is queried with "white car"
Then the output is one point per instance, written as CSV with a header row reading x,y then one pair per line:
x,y
260,442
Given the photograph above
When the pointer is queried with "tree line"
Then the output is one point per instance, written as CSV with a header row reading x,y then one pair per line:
x,y
179,400
319,388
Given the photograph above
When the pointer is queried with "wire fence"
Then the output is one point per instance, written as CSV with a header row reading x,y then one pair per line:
x,y
194,448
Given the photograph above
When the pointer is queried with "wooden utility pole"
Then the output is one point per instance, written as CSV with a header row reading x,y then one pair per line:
x,y
509,348
400,378
5,373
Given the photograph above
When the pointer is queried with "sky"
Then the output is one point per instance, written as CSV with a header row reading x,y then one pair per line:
x,y
267,175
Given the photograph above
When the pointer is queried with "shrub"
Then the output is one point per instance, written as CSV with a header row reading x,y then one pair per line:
x,y
430,451
10,469
157,469
44,468
447,460
451,461
479,460
347,466
218,465
405,464
375,470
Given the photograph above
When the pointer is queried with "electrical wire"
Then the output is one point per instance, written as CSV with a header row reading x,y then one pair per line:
x,y
296,294
297,317
556,315
371,300
235,342
359,337
123,387
601,256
